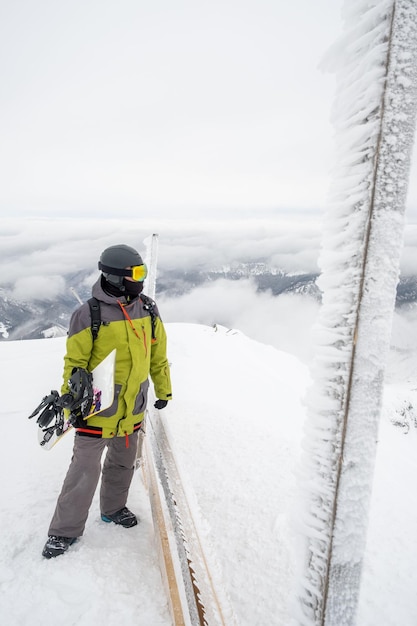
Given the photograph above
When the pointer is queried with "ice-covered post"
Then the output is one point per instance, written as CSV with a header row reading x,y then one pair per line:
x,y
149,288
151,260
374,118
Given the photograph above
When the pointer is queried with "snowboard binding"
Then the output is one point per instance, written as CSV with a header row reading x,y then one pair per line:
x,y
78,402
50,410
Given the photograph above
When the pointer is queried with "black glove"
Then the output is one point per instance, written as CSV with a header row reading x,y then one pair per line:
x,y
160,404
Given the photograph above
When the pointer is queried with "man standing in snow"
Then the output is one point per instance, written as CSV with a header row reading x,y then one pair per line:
x,y
135,330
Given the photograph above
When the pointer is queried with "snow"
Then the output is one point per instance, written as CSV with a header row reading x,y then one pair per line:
x,y
236,428
363,235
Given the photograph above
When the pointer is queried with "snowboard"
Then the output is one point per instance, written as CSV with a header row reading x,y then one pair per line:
x,y
103,396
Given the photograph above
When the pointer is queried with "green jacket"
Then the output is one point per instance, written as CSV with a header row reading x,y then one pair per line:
x,y
137,358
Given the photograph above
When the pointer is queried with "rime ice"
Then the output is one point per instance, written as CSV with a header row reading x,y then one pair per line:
x,y
374,117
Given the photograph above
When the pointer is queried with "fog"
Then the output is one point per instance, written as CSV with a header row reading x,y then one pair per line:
x,y
283,321
39,256
35,248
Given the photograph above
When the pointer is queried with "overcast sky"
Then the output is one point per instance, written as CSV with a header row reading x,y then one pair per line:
x,y
148,108
135,108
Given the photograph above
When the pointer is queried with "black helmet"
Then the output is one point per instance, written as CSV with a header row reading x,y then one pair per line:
x,y
115,259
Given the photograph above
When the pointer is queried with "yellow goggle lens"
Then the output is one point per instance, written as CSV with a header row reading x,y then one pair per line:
x,y
139,272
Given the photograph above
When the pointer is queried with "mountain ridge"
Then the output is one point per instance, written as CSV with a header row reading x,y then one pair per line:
x,y
39,319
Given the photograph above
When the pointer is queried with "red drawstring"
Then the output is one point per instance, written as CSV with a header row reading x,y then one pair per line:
x,y
127,439
126,314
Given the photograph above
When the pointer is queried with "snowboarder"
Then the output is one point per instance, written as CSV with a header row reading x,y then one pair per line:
x,y
134,328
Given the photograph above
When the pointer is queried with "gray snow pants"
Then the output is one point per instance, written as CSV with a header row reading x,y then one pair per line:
x,y
82,478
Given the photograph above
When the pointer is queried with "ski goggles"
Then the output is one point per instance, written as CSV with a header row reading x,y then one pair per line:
x,y
138,273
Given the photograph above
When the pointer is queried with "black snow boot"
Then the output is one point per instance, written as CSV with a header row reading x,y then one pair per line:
x,y
124,518
57,545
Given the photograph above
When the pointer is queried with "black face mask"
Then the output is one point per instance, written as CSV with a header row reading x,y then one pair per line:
x,y
132,289
128,288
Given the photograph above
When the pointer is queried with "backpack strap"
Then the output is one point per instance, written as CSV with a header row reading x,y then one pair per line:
x,y
94,305
149,305
95,316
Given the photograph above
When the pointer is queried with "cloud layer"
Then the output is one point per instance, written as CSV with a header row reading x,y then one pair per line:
x,y
49,248
38,256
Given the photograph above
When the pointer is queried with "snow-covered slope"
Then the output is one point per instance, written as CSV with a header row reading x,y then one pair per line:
x,y
236,427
